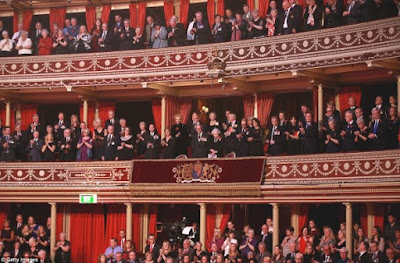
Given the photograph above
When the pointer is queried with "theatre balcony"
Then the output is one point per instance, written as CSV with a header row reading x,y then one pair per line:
x,y
322,178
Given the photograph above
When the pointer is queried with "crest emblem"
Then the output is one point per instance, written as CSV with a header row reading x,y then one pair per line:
x,y
196,172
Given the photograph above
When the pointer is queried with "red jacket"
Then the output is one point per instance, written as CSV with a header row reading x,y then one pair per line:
x,y
44,46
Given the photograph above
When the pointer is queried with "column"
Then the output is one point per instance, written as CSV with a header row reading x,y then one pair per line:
x,y
295,218
145,225
53,215
337,100
255,106
246,214
85,111
128,221
370,219
177,9
98,12
163,112
203,227
97,110
18,112
349,228
398,94
320,105
275,222
8,113
257,4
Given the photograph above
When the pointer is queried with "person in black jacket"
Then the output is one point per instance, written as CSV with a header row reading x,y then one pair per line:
x,y
152,141
378,131
68,147
333,138
180,132
348,133
215,144
110,145
219,30
199,143
276,138
152,246
201,30
309,133
105,39
176,33
168,144
21,141
8,146
368,10
126,36
242,144
312,16
352,14
35,35
333,14
112,121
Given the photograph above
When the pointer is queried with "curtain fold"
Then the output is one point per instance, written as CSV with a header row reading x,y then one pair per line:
x,y
315,103
4,212
168,10
57,15
263,7
90,17
141,16
105,13
104,108
87,232
379,216
27,111
210,226
184,12
175,105
153,220
250,3
156,108
115,221
344,95
136,225
210,11
27,19
15,21
264,106
303,217
132,15
364,218
225,217
220,8
60,219
248,105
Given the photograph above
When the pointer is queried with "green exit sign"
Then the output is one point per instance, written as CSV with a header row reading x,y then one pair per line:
x,y
88,198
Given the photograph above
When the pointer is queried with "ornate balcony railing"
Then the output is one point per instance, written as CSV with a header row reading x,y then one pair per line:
x,y
323,48
324,177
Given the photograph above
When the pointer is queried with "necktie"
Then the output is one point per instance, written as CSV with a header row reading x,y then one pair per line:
x,y
272,133
151,248
37,33
104,35
376,127
109,139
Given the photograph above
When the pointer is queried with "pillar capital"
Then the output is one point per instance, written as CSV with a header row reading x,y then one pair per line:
x,y
320,86
52,204
128,204
274,205
348,205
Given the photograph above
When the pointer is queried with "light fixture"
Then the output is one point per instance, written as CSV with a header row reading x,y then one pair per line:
x,y
144,85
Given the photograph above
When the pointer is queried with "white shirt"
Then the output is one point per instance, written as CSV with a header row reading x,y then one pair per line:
x,y
23,44
8,45
285,24
16,37
189,36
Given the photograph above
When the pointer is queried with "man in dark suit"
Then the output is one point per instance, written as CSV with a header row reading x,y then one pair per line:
x,y
60,127
117,32
35,126
9,146
327,255
359,114
230,134
291,20
352,14
309,134
199,143
383,110
201,30
187,250
112,121
376,254
148,29
276,138
21,141
153,247
347,133
292,254
378,130
328,117
368,10
266,237
110,145
126,36
333,14
242,144
68,147
19,222
362,256
35,36
180,132
34,148
390,256
219,30
176,33
302,117
105,39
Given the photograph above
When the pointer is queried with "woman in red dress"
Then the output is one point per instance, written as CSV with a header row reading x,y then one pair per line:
x,y
45,43
96,33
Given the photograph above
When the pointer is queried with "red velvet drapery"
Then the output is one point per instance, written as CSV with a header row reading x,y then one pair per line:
x,y
379,216
136,225
156,107
4,212
90,17
263,7
184,12
153,220
220,8
15,21
141,16
27,111
104,108
364,218
27,19
251,4
303,217
87,232
115,221
225,217
174,105
248,105
168,10
315,103
57,15
105,13
210,219
264,106
90,114
60,220
132,15
210,11
346,93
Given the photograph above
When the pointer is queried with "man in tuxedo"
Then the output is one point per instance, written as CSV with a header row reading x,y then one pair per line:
x,y
68,147
390,256
201,30
105,39
21,142
9,146
148,29
343,253
347,133
352,104
122,126
265,238
199,143
362,256
110,145
35,126
180,132
290,22
352,14
219,30
230,134
187,250
242,144
302,117
378,130
333,14
327,255
359,114
376,254
35,36
19,221
126,36
309,134
43,257
60,127
34,148
152,246
176,33
195,121
117,30
276,138
112,121
383,110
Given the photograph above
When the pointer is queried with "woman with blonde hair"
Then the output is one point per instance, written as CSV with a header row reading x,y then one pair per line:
x,y
148,258
327,239
84,146
98,138
48,149
341,239
165,251
75,127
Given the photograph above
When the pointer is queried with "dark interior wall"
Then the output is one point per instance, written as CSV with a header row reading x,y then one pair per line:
x,y
368,94
135,112
193,8
80,17
44,19
157,13
235,5
48,113
290,103
39,211
8,24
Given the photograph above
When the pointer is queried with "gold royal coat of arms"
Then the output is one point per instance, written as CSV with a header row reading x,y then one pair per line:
x,y
196,172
